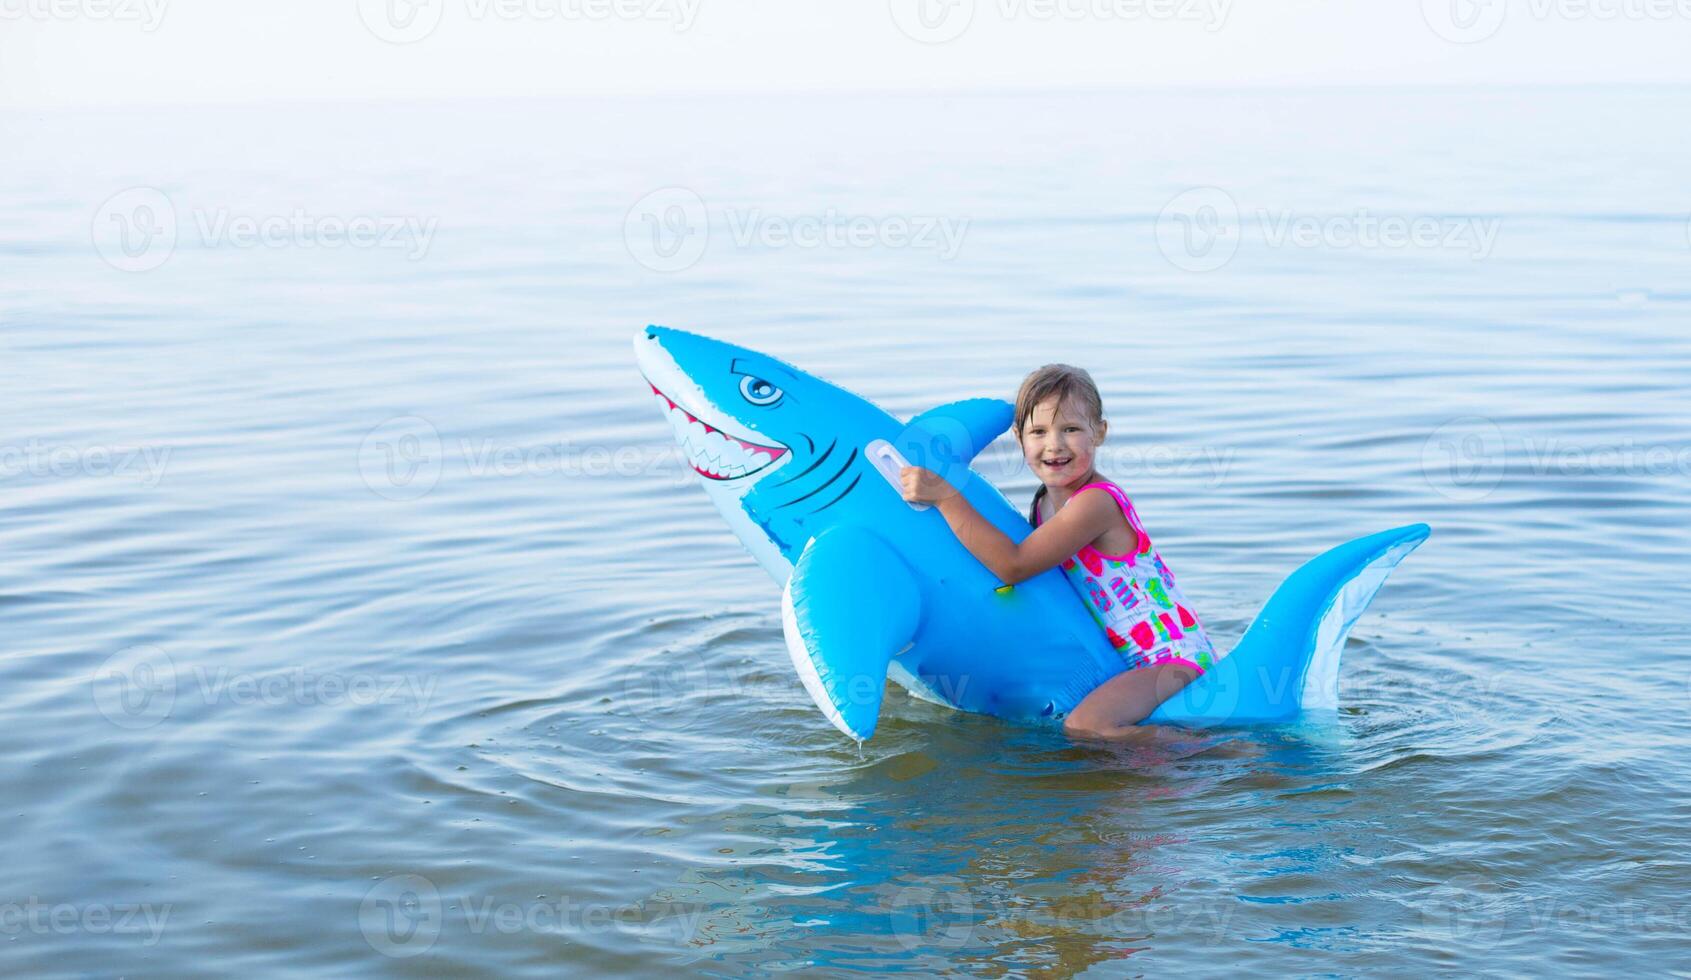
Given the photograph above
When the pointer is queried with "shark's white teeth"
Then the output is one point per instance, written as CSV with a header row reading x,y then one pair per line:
x,y
714,454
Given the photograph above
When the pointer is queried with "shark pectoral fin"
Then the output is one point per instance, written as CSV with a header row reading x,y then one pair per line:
x,y
849,608
953,435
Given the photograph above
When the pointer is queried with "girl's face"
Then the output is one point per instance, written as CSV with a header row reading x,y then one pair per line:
x,y
1059,443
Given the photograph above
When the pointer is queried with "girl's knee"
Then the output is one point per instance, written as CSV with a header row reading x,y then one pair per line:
x,y
1084,723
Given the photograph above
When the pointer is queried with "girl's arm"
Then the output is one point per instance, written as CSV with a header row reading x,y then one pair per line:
x,y
1076,525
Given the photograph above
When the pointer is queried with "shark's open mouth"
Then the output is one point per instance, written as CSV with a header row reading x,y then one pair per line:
x,y
714,454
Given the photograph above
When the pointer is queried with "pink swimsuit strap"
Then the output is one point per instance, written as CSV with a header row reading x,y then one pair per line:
x,y
1126,511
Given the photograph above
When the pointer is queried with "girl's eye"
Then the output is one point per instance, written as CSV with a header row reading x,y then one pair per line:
x,y
758,391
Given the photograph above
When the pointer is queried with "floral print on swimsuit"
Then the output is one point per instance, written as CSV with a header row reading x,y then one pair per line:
x,y
1135,600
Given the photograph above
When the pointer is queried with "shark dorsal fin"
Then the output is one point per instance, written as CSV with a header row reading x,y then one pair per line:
x,y
954,434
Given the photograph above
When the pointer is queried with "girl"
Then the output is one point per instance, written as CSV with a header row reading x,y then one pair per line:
x,y
1086,524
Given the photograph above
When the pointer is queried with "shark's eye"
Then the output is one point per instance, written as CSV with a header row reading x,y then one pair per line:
x,y
758,391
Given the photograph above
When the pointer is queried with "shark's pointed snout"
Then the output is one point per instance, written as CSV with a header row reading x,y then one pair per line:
x,y
657,345
693,381
670,336
649,351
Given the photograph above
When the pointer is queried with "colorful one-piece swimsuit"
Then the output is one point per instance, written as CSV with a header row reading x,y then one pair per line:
x,y
1134,598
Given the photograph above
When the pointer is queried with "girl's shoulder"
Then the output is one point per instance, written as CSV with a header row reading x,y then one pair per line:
x,y
1038,512
1110,488
1128,536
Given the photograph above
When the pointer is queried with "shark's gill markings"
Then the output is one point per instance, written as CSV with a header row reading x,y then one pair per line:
x,y
826,483
813,464
841,496
714,454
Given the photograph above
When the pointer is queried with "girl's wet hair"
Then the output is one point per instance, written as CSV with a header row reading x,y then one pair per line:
x,y
1070,385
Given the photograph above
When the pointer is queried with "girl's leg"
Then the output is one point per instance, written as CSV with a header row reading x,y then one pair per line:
x,y
1126,699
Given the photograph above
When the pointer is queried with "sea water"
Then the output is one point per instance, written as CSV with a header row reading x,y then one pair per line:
x,y
361,618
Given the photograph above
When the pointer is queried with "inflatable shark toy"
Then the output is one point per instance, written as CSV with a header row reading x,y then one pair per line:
x,y
874,587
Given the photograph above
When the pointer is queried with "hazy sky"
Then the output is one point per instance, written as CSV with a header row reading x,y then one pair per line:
x,y
80,52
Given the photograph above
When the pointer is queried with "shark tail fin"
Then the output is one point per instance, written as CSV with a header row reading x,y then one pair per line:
x,y
1288,660
851,606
